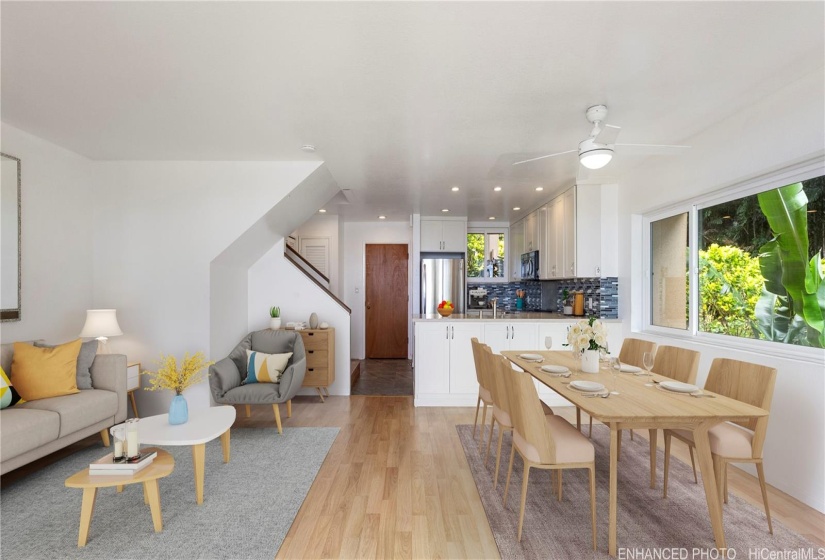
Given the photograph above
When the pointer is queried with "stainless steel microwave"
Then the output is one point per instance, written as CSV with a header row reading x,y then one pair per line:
x,y
530,266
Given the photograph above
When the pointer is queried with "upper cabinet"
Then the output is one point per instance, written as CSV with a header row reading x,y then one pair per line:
x,y
445,236
531,232
516,249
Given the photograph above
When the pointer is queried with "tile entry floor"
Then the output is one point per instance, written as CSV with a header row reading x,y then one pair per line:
x,y
384,377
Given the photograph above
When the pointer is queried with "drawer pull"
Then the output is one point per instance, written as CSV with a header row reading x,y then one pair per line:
x,y
311,369
310,351
310,334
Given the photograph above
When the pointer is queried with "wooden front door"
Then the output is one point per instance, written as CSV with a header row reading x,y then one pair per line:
x,y
387,304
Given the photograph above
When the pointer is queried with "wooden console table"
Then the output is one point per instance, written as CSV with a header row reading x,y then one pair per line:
x,y
319,345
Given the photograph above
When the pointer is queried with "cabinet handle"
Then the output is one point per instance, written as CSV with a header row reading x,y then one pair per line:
x,y
513,332
453,330
448,333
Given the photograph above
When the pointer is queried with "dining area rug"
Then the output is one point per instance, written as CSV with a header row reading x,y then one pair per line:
x,y
647,523
249,503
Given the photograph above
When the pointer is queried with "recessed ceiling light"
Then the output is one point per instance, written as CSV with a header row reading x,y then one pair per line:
x,y
497,189
382,217
539,189
454,189
492,217
308,148
516,208
322,211
445,209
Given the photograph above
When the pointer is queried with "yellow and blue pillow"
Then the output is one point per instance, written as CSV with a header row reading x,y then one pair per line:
x,y
8,394
265,368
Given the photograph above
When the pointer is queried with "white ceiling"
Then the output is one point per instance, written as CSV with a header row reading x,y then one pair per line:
x,y
402,100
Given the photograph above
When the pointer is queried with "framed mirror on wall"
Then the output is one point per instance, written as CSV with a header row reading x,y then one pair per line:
x,y
10,229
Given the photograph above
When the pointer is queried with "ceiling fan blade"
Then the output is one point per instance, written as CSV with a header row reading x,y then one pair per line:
x,y
608,134
545,157
652,149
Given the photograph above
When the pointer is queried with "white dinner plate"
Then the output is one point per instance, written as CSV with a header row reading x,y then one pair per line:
x,y
554,369
530,356
627,368
588,386
678,387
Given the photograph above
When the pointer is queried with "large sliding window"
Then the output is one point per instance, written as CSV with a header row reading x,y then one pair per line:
x,y
751,266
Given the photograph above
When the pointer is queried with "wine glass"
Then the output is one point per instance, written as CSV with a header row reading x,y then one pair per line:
x,y
548,342
647,360
615,369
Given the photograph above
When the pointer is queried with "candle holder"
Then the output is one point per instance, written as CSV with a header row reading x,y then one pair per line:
x,y
132,444
119,438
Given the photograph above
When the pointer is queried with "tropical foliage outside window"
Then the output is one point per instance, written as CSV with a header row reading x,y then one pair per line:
x,y
485,255
761,272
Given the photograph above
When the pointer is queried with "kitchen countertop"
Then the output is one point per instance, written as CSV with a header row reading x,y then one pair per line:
x,y
512,316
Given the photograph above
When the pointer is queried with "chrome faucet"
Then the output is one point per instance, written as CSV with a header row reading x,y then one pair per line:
x,y
494,302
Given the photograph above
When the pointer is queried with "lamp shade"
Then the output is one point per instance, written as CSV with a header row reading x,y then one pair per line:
x,y
101,323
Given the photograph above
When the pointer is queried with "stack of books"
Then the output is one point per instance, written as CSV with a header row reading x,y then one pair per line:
x,y
107,466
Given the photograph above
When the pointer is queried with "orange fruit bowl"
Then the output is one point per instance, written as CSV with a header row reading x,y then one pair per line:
x,y
445,311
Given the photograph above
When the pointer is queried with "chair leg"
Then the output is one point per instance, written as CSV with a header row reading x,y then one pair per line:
x,y
693,464
619,447
289,408
592,502
558,481
248,411
475,423
483,422
278,418
631,435
578,418
498,456
761,473
489,440
667,463
523,498
718,467
509,472
590,433
104,435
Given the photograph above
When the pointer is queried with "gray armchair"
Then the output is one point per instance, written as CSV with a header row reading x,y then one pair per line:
x,y
226,376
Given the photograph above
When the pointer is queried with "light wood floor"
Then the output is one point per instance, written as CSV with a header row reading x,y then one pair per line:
x,y
396,484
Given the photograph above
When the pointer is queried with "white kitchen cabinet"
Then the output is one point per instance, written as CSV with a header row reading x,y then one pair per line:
x,y
543,226
516,335
531,232
553,256
569,236
445,236
432,358
463,378
516,249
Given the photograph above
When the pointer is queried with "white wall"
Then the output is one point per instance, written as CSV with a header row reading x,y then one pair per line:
x,y
159,225
275,281
324,226
57,239
778,130
356,237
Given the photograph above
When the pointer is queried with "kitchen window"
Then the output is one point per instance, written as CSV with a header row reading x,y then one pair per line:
x,y
486,255
747,265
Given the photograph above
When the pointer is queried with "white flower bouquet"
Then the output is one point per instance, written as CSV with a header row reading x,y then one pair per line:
x,y
587,334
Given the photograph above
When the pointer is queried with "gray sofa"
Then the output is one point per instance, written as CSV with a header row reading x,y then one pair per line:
x,y
31,430
226,376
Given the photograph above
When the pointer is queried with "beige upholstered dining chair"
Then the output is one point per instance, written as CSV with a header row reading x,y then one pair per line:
x,y
544,442
631,353
484,395
501,404
735,442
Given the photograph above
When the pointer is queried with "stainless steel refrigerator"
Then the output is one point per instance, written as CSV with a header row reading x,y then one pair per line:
x,y
442,278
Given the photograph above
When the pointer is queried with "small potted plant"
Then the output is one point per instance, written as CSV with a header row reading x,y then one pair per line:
x,y
567,307
169,376
274,318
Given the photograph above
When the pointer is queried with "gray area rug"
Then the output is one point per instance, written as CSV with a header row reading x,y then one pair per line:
x,y
249,503
646,522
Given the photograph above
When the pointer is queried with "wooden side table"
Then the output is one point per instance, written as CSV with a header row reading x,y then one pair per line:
x,y
133,383
319,345
162,466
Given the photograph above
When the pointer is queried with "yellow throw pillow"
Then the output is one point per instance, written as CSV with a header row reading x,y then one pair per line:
x,y
265,368
40,373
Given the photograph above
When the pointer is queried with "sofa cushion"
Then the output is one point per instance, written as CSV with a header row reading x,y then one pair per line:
x,y
24,430
88,351
77,411
256,393
42,373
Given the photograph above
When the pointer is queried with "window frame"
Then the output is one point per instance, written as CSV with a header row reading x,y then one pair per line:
x,y
487,230
801,171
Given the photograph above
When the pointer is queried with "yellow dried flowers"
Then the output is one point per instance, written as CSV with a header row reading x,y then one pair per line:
x,y
168,376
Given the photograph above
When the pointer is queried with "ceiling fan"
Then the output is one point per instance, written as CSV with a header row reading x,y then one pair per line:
x,y
596,151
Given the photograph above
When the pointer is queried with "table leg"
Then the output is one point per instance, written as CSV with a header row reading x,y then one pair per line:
x,y
653,442
119,488
700,438
198,457
145,495
614,463
87,509
578,419
225,446
320,393
150,487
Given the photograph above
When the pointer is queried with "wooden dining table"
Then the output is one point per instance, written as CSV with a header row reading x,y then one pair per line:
x,y
641,404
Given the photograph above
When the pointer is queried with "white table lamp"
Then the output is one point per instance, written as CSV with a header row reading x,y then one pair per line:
x,y
101,324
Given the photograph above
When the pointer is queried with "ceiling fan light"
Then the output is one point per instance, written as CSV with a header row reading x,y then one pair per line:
x,y
596,159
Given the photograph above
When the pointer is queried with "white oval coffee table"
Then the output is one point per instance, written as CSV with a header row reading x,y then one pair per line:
x,y
204,425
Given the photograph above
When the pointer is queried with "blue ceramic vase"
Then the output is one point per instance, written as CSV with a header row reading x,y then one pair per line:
x,y
178,410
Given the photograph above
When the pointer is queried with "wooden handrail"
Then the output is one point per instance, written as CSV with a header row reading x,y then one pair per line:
x,y
289,256
306,262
